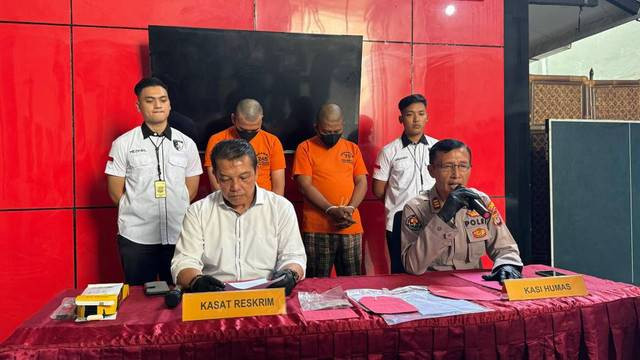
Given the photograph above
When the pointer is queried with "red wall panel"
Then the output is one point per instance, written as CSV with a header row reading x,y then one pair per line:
x,y
458,22
43,11
373,19
464,87
375,255
222,14
98,260
386,78
107,65
37,261
35,116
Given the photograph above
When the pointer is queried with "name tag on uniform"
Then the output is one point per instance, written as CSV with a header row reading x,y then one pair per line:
x,y
161,189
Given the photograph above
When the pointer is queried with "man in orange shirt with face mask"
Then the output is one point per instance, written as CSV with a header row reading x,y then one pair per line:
x,y
247,123
332,177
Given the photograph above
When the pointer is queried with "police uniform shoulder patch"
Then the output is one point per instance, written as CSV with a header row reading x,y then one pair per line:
x,y
436,203
178,144
495,215
413,223
496,219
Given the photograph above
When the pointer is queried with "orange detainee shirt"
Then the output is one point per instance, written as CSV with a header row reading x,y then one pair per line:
x,y
332,172
267,147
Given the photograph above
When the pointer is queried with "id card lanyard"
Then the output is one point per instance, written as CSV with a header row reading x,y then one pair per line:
x,y
417,165
159,185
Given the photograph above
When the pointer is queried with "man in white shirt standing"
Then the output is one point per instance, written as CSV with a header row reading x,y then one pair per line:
x,y
153,173
400,172
239,232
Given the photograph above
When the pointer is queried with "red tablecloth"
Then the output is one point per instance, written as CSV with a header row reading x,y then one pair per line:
x,y
602,325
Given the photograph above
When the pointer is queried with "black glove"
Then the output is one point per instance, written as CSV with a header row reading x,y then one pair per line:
x,y
288,282
504,272
456,200
206,283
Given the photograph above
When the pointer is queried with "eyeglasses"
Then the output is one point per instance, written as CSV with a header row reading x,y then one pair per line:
x,y
462,167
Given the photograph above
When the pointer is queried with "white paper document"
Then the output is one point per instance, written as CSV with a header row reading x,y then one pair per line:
x,y
428,305
103,289
251,284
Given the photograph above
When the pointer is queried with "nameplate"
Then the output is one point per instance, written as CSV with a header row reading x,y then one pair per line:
x,y
546,287
230,304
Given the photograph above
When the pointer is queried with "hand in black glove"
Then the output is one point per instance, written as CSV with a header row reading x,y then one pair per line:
x,y
456,200
205,283
504,272
288,282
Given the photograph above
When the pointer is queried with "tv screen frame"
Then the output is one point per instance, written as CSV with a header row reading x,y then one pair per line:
x,y
291,74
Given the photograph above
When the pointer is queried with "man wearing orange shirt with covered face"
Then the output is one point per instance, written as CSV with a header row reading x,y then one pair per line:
x,y
247,125
332,177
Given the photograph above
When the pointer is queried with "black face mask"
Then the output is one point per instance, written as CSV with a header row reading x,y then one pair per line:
x,y
247,134
330,139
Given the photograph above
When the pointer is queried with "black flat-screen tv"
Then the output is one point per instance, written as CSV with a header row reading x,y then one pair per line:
x,y
208,71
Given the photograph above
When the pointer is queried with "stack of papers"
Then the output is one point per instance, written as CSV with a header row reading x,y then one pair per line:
x,y
427,304
250,284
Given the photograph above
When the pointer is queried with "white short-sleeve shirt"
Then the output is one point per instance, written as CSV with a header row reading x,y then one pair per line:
x,y
229,246
143,218
403,165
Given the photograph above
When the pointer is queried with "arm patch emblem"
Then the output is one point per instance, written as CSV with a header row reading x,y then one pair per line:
x,y
413,223
495,216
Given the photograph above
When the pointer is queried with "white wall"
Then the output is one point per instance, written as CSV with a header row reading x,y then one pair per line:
x,y
613,54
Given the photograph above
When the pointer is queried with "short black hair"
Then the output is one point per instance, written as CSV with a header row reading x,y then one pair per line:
x,y
147,82
411,99
445,146
231,150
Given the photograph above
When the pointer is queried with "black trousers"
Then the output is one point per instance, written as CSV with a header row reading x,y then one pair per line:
x,y
394,245
144,263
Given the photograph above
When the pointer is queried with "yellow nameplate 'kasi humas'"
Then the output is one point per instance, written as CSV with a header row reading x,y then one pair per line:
x,y
545,287
230,304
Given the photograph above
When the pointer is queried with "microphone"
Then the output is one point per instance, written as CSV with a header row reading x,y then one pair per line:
x,y
173,297
477,205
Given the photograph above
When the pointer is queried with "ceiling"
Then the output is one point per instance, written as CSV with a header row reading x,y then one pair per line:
x,y
556,26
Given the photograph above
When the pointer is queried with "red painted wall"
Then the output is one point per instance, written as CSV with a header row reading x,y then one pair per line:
x,y
67,71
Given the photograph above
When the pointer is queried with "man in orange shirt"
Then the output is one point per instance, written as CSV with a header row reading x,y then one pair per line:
x,y
247,123
332,177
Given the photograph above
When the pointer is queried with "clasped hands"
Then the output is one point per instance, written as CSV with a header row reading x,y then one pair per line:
x,y
342,216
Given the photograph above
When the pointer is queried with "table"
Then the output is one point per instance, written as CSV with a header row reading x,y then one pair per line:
x,y
602,325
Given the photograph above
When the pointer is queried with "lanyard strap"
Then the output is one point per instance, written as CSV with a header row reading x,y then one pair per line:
x,y
157,147
415,162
